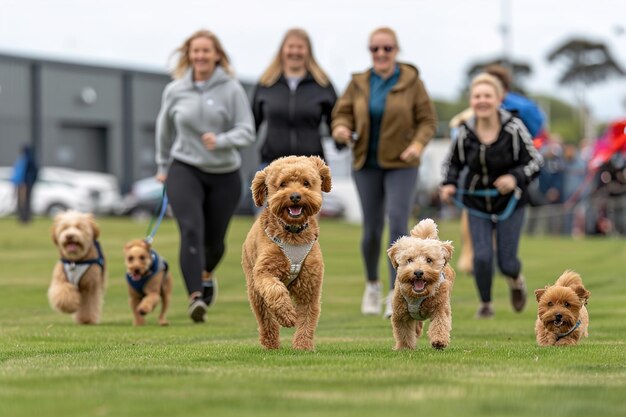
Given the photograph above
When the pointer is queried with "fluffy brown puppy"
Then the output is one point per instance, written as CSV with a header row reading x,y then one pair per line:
x,y
281,256
78,279
423,286
149,281
562,318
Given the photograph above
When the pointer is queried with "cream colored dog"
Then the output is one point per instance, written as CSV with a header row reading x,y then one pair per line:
x,y
562,318
423,286
78,279
149,281
281,256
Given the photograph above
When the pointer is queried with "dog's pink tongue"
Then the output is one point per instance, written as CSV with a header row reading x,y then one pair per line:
x,y
295,211
71,247
419,284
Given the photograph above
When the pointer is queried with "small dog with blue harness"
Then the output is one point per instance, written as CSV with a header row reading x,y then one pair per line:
x,y
149,281
78,279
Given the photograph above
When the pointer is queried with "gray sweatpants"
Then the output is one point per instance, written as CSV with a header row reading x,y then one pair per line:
x,y
383,191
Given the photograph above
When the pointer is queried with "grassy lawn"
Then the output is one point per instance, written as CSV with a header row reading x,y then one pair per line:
x,y
51,367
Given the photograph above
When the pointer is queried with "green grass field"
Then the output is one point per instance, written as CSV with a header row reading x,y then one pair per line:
x,y
52,367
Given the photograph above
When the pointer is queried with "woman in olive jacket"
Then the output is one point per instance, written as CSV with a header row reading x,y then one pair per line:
x,y
387,117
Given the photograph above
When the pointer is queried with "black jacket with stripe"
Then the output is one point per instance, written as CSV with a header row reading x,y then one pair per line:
x,y
512,153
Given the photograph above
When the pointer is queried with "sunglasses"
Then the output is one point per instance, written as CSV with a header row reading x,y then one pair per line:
x,y
387,48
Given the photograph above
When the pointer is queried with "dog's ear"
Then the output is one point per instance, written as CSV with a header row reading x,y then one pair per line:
x,y
259,187
392,252
94,227
582,293
539,293
447,249
324,171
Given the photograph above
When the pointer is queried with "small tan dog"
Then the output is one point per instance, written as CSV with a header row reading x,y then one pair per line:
x,y
149,281
78,279
423,286
562,318
281,256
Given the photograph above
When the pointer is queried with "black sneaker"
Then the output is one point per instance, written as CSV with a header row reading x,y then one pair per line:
x,y
209,291
518,293
484,312
197,310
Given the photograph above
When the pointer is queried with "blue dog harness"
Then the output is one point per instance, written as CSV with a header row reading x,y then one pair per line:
x,y
75,270
158,264
562,335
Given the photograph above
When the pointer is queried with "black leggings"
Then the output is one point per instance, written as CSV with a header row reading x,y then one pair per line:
x,y
203,205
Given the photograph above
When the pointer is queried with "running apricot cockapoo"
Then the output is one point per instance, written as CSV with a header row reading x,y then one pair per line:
x,y
281,256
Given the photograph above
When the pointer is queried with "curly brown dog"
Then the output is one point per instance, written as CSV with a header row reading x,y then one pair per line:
x,y
281,256
562,318
78,279
423,286
149,281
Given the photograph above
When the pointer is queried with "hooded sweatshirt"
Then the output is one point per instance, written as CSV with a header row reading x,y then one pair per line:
x,y
188,111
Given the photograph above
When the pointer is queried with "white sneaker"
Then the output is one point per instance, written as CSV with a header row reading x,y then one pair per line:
x,y
388,309
371,303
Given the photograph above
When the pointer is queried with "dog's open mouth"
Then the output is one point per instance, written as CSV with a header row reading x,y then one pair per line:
x,y
71,246
418,285
136,274
558,322
294,211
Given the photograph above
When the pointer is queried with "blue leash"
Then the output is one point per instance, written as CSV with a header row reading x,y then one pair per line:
x,y
489,192
163,208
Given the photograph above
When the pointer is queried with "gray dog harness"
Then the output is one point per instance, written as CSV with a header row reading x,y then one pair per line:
x,y
296,254
74,270
414,304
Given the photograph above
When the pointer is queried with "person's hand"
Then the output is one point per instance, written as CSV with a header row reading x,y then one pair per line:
x,y
446,192
209,140
161,178
505,184
342,134
412,153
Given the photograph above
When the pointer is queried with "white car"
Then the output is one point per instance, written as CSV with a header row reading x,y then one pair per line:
x,y
59,189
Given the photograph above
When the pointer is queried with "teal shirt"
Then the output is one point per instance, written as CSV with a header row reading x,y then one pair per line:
x,y
379,88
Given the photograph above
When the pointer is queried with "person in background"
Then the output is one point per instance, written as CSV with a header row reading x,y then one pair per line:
x,y
522,107
534,120
204,118
25,171
387,117
294,97
498,152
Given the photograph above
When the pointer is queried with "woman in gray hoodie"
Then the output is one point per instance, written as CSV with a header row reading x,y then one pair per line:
x,y
205,116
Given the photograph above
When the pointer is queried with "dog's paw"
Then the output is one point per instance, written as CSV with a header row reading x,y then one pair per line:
x,y
439,344
287,317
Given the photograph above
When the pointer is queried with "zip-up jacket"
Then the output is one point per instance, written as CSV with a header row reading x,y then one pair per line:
x,y
511,153
409,117
188,111
293,117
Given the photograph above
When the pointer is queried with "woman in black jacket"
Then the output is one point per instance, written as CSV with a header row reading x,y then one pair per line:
x,y
294,96
501,160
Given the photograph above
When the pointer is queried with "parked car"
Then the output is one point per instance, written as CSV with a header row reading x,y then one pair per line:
x,y
144,199
59,189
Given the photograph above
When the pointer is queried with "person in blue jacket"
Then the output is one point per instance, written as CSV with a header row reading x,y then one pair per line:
x,y
25,173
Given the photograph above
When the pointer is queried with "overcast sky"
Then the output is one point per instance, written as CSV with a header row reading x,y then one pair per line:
x,y
441,37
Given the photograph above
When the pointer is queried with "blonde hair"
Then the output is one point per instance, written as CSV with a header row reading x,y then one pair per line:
x,y
387,31
484,78
183,63
275,69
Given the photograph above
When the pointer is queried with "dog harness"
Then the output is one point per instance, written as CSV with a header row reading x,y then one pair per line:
x,y
296,254
74,270
562,335
158,264
414,304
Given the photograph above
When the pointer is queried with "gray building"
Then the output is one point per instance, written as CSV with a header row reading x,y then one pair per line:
x,y
93,117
